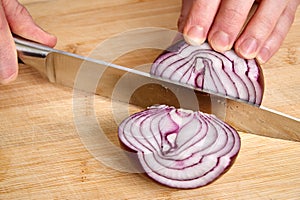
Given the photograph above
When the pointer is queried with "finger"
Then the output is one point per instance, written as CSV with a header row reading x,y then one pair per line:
x,y
228,23
22,24
259,28
280,31
199,20
185,9
8,56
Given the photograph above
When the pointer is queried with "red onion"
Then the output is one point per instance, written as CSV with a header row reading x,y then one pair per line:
x,y
180,148
222,73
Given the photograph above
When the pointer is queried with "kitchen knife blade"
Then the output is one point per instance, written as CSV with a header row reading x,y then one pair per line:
x,y
141,89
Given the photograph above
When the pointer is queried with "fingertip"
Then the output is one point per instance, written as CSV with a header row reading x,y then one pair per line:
x,y
6,79
39,35
220,41
51,40
8,61
264,55
195,35
247,48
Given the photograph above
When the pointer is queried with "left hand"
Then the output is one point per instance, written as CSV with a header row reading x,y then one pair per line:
x,y
221,22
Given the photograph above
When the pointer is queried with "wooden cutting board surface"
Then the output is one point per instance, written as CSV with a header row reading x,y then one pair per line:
x,y
44,156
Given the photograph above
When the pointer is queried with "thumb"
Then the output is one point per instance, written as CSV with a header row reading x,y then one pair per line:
x,y
8,55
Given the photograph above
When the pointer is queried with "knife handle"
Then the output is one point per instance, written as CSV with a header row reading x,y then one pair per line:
x,y
34,55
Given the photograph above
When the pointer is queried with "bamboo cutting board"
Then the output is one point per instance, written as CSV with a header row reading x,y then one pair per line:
x,y
43,154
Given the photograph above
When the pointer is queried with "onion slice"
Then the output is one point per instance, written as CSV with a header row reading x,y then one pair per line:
x,y
201,67
180,148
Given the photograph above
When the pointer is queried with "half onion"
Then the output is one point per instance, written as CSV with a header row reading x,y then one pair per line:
x,y
222,73
180,148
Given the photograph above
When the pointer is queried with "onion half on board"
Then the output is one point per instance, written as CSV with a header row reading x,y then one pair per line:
x,y
180,148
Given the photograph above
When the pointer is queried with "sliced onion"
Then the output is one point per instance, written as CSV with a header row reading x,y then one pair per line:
x,y
180,148
222,73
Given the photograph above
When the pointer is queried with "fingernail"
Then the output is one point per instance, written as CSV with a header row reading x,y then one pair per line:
x,y
220,41
248,48
195,35
9,79
264,55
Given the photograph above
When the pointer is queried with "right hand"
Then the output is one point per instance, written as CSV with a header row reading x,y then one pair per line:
x,y
15,19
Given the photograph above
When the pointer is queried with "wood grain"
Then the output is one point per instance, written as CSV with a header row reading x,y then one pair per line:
x,y
43,153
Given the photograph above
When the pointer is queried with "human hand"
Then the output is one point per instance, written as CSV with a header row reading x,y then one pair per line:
x,y
14,18
222,24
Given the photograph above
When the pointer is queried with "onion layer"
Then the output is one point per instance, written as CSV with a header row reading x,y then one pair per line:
x,y
180,148
222,73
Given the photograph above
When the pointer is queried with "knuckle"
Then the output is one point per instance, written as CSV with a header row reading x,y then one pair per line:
x,y
267,24
262,30
200,4
289,15
20,10
231,21
202,11
232,14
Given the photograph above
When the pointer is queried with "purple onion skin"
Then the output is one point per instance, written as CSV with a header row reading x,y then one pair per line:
x,y
180,148
202,67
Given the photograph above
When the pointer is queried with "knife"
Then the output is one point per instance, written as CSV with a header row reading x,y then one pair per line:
x,y
140,88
